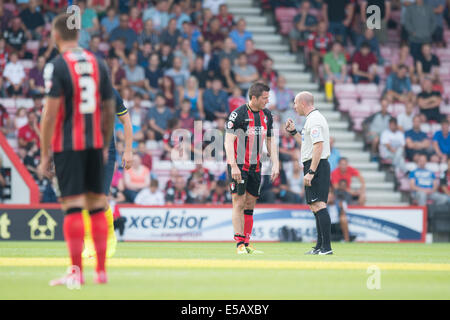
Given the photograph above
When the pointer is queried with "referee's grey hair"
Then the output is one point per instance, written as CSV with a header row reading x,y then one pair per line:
x,y
306,97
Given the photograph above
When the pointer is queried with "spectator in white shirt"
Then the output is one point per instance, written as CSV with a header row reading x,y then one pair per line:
x,y
405,119
150,196
213,5
14,75
392,142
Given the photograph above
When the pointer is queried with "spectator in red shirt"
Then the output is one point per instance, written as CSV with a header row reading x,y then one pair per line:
x,y
214,35
186,115
29,133
99,5
145,156
268,74
135,179
318,45
220,194
177,145
135,21
255,57
346,172
173,175
236,100
118,76
225,19
364,65
288,147
177,194
53,7
203,175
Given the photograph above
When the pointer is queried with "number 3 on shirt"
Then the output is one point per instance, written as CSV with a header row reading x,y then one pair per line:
x,y
88,103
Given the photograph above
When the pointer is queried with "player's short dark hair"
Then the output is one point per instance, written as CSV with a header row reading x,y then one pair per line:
x,y
393,120
60,24
257,89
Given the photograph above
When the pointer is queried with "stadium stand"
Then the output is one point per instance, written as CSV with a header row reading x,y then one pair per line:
x,y
269,24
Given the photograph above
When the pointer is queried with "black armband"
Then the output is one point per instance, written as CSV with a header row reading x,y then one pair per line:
x,y
293,132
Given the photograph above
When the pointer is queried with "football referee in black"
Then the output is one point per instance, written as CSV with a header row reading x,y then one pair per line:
x,y
315,150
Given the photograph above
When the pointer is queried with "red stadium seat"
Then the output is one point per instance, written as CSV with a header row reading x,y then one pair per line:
x,y
368,90
445,109
357,124
32,46
385,51
426,127
362,111
404,185
285,14
410,166
347,104
434,167
435,127
346,91
286,27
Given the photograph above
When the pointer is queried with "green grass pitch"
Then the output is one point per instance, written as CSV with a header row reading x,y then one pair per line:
x,y
214,271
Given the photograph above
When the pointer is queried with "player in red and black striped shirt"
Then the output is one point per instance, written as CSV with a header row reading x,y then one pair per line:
x,y
246,129
77,124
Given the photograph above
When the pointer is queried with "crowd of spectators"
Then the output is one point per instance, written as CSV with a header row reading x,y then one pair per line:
x,y
173,62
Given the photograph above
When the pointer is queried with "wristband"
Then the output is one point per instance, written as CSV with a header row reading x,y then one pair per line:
x,y
293,132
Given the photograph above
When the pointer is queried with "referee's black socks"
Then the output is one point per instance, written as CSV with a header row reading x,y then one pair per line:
x,y
319,233
325,227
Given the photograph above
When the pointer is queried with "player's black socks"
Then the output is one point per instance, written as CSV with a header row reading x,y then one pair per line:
x,y
325,227
319,233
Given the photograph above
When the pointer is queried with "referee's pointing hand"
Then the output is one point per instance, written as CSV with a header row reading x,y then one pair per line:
x,y
290,125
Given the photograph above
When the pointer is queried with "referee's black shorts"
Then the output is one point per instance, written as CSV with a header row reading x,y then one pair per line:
x,y
79,172
320,184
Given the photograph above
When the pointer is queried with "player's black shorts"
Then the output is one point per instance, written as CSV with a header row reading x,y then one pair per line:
x,y
251,178
79,172
320,184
